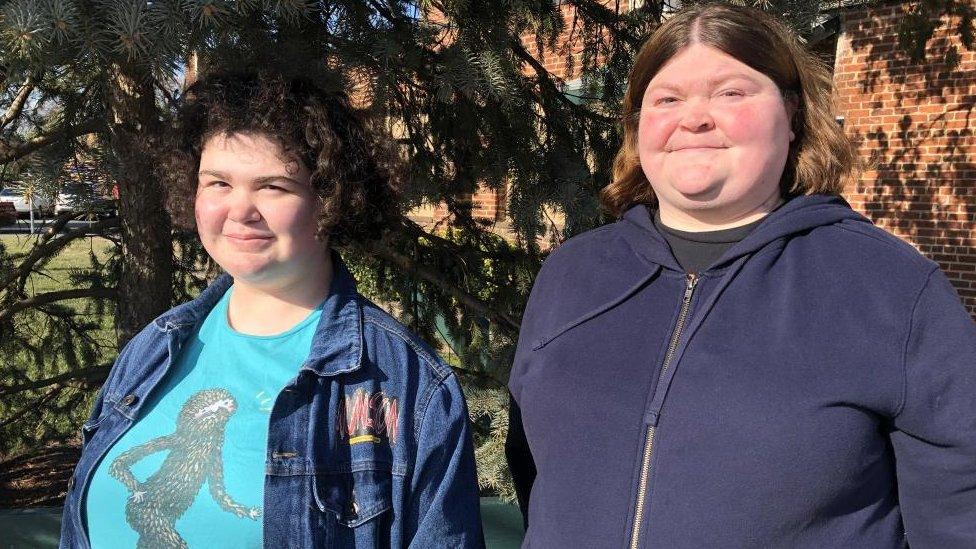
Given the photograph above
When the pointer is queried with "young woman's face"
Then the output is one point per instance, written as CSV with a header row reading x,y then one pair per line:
x,y
713,135
255,211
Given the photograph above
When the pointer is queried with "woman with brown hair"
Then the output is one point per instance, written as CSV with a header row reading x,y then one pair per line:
x,y
741,360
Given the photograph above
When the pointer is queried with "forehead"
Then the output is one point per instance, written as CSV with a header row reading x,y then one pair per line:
x,y
246,152
701,64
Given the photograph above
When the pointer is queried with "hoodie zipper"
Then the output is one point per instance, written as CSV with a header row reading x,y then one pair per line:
x,y
692,280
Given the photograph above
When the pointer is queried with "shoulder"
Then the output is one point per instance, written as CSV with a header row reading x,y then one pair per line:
x,y
385,334
584,272
590,249
867,249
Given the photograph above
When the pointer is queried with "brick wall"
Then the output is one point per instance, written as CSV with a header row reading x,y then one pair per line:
x,y
914,124
562,62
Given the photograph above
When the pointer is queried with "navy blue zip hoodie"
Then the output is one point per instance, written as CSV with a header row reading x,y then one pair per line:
x,y
815,387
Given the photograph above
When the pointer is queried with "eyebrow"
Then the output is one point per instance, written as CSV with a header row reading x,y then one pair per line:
x,y
259,179
712,82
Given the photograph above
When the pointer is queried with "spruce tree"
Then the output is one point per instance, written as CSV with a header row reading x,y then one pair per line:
x,y
469,104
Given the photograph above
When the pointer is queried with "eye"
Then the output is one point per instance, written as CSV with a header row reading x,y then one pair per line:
x,y
214,183
666,100
732,93
274,188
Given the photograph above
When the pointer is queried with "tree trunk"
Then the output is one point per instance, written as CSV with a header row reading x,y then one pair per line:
x,y
145,285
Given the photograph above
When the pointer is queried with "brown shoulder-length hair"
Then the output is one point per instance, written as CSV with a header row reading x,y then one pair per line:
x,y
820,158
350,164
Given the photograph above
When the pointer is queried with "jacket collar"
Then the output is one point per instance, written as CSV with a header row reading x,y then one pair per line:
x,y
337,346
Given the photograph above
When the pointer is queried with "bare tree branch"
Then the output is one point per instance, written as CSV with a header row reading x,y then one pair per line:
x,y
52,297
9,153
48,245
15,108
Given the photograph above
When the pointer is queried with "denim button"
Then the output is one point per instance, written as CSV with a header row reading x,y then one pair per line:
x,y
71,482
129,400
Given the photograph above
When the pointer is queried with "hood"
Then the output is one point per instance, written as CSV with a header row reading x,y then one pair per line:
x,y
795,216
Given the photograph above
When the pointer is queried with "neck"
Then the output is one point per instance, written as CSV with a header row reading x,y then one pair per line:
x,y
716,220
255,309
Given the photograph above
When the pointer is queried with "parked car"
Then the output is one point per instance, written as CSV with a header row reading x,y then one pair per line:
x,y
42,204
8,214
81,199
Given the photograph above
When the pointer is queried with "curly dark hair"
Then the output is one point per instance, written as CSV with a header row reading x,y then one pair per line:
x,y
350,165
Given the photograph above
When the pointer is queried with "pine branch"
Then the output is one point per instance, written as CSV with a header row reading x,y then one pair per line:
x,y
37,405
88,375
549,85
502,319
54,297
462,372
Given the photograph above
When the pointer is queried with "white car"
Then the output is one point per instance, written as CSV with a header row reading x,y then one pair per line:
x,y
41,204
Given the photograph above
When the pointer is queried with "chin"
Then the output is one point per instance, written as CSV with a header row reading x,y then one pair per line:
x,y
698,193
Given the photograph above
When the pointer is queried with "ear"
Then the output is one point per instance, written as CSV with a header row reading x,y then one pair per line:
x,y
792,103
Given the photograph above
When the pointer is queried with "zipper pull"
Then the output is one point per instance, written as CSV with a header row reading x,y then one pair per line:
x,y
690,288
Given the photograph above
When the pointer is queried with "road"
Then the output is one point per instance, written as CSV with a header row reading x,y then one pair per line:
x,y
23,226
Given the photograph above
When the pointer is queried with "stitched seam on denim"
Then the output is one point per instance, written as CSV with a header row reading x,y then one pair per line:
x,y
422,354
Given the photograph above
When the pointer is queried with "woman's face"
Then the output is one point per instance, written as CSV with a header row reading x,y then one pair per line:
x,y
713,137
255,211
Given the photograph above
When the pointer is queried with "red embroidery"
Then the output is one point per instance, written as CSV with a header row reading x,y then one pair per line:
x,y
367,416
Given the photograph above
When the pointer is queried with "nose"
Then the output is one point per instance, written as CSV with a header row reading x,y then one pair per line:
x,y
697,117
242,208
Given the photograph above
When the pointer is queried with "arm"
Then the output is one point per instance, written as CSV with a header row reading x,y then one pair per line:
x,y
120,467
444,506
519,458
935,430
215,481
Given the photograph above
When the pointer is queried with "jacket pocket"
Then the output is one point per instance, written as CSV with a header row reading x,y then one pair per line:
x,y
360,498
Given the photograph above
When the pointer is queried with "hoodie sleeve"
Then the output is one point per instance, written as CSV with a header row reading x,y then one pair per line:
x,y
935,431
519,457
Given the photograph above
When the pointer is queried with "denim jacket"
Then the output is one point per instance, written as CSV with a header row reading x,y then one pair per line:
x,y
412,484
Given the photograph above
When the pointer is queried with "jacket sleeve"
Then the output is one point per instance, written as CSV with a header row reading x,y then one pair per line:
x,y
445,507
519,457
934,439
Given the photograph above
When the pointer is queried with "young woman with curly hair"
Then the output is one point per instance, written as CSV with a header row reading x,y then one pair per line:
x,y
313,418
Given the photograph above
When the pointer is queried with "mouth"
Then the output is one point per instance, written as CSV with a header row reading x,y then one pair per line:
x,y
697,148
248,237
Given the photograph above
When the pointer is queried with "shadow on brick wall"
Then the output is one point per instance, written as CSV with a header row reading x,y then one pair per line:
x,y
914,125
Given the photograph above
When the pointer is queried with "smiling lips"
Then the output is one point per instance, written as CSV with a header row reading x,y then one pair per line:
x,y
695,148
248,241
248,236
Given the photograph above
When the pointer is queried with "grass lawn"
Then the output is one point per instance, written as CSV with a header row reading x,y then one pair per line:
x,y
75,256
37,421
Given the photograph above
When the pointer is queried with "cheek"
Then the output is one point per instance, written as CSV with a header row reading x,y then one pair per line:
x,y
754,125
296,220
209,215
654,131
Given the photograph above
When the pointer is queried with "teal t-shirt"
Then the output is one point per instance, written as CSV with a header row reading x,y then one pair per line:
x,y
192,466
